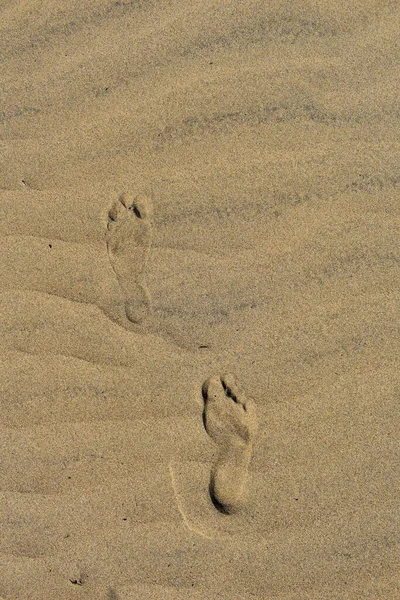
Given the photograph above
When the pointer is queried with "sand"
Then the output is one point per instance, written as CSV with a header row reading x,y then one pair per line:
x,y
199,300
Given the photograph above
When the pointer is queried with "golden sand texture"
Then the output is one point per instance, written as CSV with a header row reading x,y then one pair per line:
x,y
199,230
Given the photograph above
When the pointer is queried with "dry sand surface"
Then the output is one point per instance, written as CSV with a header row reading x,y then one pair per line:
x,y
199,300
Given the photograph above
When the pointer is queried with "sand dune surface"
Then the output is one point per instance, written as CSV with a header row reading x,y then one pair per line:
x,y
199,241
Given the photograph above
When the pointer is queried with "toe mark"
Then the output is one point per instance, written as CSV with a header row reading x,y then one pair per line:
x,y
229,393
136,211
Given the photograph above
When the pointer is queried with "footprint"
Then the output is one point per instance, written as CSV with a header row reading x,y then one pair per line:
x,y
230,420
128,243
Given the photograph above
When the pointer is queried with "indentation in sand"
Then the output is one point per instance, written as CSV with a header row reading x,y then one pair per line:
x,y
190,482
128,242
230,420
